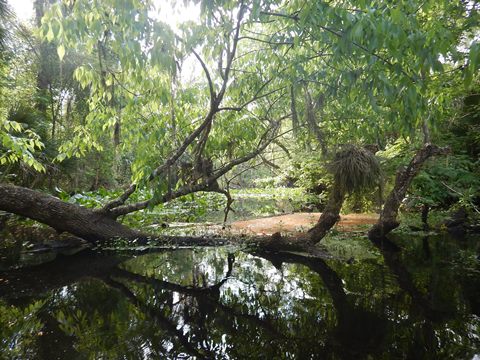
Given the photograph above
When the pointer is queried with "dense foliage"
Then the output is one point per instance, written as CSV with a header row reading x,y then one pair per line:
x,y
144,118
118,92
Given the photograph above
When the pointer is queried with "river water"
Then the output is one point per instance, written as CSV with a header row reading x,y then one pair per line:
x,y
421,301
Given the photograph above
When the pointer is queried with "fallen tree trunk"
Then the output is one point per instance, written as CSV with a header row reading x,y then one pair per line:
x,y
97,226
388,216
94,226
88,224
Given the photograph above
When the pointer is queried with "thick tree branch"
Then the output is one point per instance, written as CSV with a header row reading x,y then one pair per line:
x,y
121,199
388,217
112,207
204,185
167,163
283,147
209,78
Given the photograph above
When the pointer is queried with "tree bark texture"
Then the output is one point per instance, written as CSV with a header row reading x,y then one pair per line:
x,y
388,216
85,223
94,226
330,216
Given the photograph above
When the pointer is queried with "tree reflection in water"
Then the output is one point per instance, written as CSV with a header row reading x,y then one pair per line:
x,y
221,303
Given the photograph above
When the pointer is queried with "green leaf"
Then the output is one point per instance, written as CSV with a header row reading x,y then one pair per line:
x,y
61,52
50,35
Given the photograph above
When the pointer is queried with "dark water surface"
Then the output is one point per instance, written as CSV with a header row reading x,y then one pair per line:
x,y
422,302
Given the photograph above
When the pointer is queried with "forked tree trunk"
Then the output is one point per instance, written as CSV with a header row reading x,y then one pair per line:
x,y
388,216
85,223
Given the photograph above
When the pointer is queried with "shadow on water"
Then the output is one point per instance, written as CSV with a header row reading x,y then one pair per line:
x,y
416,298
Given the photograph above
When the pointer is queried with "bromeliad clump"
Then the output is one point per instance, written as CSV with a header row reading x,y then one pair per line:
x,y
354,168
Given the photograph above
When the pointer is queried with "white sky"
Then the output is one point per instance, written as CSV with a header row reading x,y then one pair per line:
x,y
24,11
173,17
23,8
190,69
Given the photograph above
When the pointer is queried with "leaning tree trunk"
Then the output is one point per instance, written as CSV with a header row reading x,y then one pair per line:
x,y
388,217
330,216
88,224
